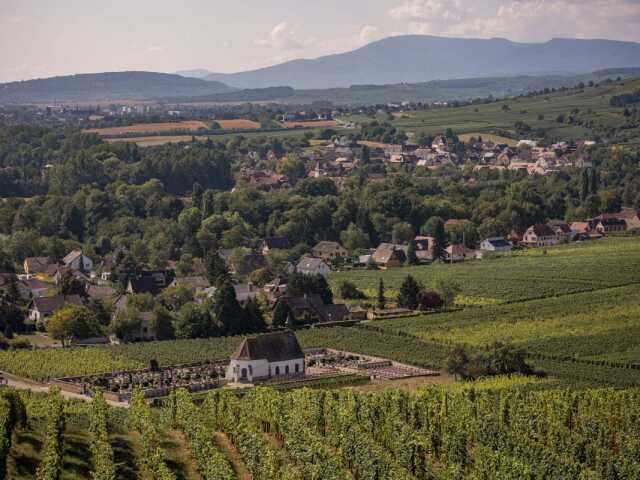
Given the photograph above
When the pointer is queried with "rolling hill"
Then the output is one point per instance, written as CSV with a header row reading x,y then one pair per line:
x,y
107,86
422,58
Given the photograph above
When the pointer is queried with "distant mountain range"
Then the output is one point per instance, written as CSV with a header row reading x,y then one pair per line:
x,y
403,68
421,58
108,86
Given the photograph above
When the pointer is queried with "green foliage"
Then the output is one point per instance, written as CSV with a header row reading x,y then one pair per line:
x,y
408,296
348,290
51,465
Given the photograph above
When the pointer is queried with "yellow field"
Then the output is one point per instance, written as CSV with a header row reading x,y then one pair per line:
x,y
239,124
188,126
312,124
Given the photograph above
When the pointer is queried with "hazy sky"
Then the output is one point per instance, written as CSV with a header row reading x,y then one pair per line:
x,y
41,38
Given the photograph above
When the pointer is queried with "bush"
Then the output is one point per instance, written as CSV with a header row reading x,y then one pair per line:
x,y
429,301
349,291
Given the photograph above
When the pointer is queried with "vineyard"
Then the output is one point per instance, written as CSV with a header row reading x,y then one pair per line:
x,y
584,325
520,276
505,428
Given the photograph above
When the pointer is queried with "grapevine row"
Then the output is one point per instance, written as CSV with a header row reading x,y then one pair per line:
x,y
104,467
51,465
153,458
212,463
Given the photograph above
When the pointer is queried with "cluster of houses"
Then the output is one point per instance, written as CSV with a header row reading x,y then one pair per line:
x,y
41,278
528,157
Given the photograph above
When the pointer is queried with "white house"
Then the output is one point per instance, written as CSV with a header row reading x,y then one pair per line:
x,y
76,260
495,244
313,266
272,355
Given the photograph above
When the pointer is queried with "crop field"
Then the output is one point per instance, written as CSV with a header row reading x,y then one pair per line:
x,y
154,141
238,124
519,276
311,124
508,428
187,126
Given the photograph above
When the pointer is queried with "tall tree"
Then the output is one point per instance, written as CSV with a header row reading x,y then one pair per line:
x,y
412,258
408,296
217,270
440,242
381,299
281,313
229,312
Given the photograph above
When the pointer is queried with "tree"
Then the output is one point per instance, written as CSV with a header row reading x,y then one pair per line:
x,y
254,316
299,284
440,243
192,321
402,233
409,292
281,313
448,291
381,299
127,324
196,195
217,270
69,285
163,324
349,291
228,311
71,323
353,238
457,363
429,301
412,258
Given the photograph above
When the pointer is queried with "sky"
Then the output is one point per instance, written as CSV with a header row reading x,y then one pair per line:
x,y
43,38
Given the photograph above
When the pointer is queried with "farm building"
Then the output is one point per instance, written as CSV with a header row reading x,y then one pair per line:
x,y
267,356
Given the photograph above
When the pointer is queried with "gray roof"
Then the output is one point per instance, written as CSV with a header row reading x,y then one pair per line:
x,y
37,264
273,347
309,264
50,305
72,256
328,247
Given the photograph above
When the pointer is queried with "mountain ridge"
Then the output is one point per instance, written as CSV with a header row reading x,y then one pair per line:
x,y
126,85
422,58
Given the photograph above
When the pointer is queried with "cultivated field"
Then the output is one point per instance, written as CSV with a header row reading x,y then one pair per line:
x,y
154,141
311,124
506,428
541,111
239,124
529,274
187,126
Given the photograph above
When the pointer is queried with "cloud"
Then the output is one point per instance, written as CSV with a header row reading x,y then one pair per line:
x,y
524,20
281,36
368,33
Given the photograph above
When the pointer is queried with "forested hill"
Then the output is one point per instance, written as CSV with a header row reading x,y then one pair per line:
x,y
420,58
108,86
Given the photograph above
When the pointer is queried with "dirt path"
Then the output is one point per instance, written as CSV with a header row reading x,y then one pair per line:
x,y
179,455
234,456
25,384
